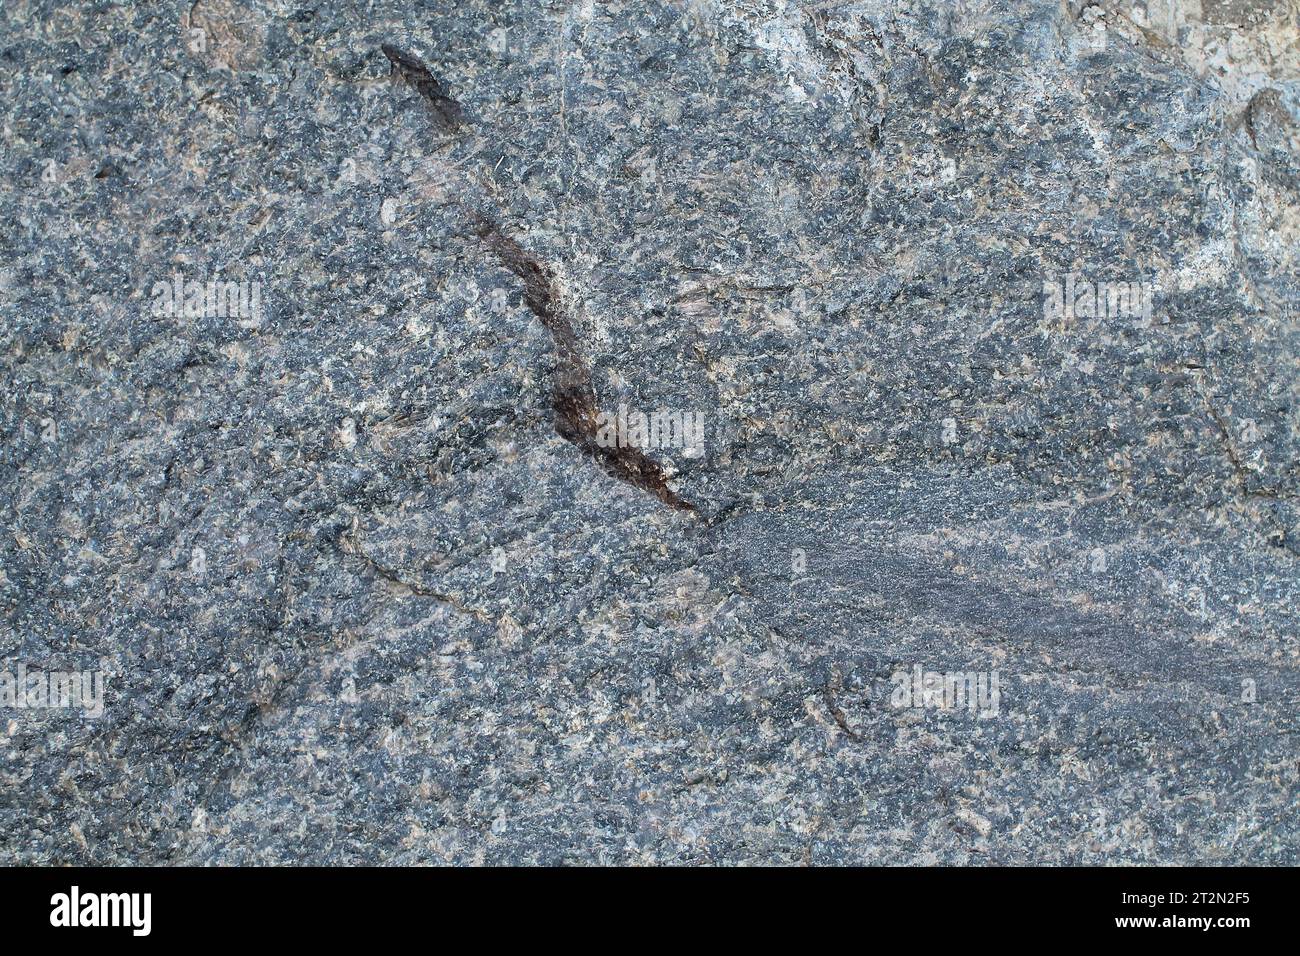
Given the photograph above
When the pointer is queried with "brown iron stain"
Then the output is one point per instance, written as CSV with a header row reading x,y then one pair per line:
x,y
573,398
415,74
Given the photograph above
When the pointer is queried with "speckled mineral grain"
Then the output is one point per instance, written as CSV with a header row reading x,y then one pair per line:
x,y
353,355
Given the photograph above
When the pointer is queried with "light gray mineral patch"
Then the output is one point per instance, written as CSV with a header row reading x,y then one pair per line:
x,y
656,431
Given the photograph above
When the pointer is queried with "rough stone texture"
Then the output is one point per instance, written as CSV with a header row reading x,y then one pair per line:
x,y
358,601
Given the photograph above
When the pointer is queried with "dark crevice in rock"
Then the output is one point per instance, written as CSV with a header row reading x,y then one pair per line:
x,y
350,545
829,693
573,397
415,74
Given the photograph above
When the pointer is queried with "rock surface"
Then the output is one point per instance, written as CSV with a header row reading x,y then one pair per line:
x,y
358,594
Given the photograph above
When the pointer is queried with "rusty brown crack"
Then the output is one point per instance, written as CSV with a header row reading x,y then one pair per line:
x,y
415,74
573,397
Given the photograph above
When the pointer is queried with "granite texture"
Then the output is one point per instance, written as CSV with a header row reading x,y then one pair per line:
x,y
363,583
